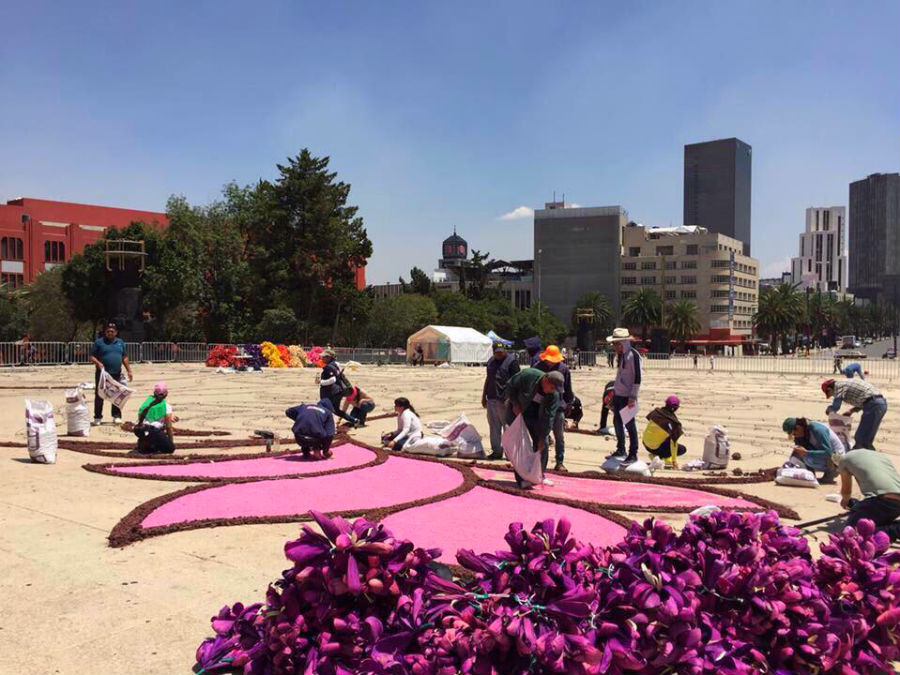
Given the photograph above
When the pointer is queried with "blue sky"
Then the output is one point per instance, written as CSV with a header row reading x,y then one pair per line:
x,y
454,113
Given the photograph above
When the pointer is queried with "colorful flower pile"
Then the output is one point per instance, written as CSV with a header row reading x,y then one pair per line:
x,y
733,593
314,356
272,355
255,359
298,357
221,356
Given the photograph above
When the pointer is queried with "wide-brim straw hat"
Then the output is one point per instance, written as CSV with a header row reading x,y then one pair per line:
x,y
619,335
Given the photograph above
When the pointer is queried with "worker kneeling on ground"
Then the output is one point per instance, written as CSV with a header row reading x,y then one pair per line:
x,y
313,427
663,431
879,483
816,445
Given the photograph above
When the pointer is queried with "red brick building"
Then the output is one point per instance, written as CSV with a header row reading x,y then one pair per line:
x,y
36,234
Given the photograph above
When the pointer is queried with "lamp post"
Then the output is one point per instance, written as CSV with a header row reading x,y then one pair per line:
x,y
539,280
808,320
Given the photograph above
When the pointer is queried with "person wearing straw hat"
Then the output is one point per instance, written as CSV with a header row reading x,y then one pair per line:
x,y
331,384
553,360
493,395
625,393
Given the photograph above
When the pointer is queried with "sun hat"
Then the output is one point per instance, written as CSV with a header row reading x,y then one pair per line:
x,y
552,354
619,335
673,401
789,424
328,352
825,386
556,378
160,388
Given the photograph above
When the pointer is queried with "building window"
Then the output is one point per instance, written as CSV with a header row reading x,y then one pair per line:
x,y
689,265
722,279
665,250
688,279
54,251
634,251
692,249
671,280
718,309
688,294
671,265
670,295
648,281
648,265
629,266
629,281
11,281
719,263
10,248
718,294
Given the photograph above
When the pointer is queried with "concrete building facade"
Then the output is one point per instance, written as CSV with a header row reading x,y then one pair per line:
x,y
875,238
705,268
576,251
717,182
822,263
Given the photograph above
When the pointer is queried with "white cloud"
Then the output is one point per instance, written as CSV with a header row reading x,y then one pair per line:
x,y
775,268
518,213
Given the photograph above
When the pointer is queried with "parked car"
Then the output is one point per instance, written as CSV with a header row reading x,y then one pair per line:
x,y
868,341
890,354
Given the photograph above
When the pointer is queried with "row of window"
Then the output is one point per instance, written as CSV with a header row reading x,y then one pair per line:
x,y
11,249
10,281
690,249
738,267
746,310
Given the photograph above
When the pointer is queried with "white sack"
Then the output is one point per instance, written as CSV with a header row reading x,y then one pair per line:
x,y
519,451
40,429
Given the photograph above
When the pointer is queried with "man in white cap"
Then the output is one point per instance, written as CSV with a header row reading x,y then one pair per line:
x,y
625,393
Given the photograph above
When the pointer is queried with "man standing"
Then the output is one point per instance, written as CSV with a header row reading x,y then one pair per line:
x,y
532,393
625,393
552,360
493,396
108,353
533,349
862,396
331,384
879,483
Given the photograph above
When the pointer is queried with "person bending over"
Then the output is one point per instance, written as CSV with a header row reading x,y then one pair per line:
x,y
879,484
853,369
331,384
862,395
663,431
313,427
409,426
360,404
154,428
609,391
534,395
816,445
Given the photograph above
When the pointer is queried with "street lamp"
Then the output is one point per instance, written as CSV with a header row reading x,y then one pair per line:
x,y
808,320
539,279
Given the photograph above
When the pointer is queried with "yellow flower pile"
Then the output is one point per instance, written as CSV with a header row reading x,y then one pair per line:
x,y
272,355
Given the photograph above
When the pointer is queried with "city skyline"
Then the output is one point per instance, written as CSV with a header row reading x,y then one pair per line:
x,y
460,116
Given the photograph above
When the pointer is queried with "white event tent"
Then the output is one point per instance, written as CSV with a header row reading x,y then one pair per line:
x,y
450,344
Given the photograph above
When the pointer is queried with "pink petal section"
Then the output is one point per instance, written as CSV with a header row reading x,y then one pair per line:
x,y
345,456
396,481
622,493
479,519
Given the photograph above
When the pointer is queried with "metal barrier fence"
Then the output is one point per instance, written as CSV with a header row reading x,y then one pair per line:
x,y
61,353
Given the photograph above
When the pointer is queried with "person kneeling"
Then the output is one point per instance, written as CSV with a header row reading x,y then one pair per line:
x,y
879,483
154,426
313,427
663,431
816,445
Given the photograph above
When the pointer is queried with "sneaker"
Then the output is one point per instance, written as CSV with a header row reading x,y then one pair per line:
x,y
628,461
117,420
617,455
560,467
495,456
548,482
97,422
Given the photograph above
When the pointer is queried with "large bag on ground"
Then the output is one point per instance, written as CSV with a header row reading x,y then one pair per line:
x,y
517,447
469,444
796,477
434,446
78,418
716,449
454,428
40,429
110,389
613,465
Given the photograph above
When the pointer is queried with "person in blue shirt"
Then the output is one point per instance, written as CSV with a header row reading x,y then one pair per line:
x,y
313,427
108,353
852,369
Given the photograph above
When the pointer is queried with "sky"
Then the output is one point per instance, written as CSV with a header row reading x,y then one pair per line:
x,y
452,114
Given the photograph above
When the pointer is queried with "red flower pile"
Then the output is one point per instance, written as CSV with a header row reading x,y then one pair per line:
x,y
221,356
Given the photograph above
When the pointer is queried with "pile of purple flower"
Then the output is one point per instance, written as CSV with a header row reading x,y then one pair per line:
x,y
733,593
255,360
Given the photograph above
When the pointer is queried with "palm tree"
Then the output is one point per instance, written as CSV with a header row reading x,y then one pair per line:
x,y
681,320
591,315
779,310
643,309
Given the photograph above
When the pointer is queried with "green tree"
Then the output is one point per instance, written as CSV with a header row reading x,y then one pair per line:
x,y
50,314
419,282
601,322
681,321
13,315
780,308
455,309
478,269
395,319
643,309
540,321
278,325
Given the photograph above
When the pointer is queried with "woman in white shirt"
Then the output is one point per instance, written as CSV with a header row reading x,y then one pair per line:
x,y
409,427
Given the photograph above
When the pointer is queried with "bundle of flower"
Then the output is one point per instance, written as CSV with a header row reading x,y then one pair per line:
x,y
272,355
255,360
733,593
285,355
221,356
314,356
298,357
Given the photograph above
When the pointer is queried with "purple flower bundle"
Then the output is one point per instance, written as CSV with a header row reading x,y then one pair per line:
x,y
256,360
733,593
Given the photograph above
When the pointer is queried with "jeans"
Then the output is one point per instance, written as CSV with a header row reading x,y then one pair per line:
x,y
665,449
873,412
98,402
823,464
882,511
620,402
309,443
496,417
559,437
336,404
157,441
360,412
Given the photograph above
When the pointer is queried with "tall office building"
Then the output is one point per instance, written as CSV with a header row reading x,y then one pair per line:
x,y
875,238
822,263
576,250
717,188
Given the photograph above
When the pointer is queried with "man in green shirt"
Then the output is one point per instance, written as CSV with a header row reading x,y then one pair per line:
x,y
533,394
879,483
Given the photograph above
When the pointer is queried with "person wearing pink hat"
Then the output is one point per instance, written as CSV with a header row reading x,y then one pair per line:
x,y
154,429
663,431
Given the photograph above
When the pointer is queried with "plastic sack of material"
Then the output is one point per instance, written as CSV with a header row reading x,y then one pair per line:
x,y
469,443
796,477
517,447
716,449
40,428
433,446
110,389
842,427
78,419
455,428
613,465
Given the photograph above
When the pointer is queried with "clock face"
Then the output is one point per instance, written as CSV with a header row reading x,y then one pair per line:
x,y
461,248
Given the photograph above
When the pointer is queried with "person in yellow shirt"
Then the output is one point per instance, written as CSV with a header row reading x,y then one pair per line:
x,y
663,431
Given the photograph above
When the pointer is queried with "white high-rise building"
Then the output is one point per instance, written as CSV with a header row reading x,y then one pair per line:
x,y
822,263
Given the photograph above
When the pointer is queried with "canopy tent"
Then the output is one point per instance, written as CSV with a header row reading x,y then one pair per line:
x,y
451,344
